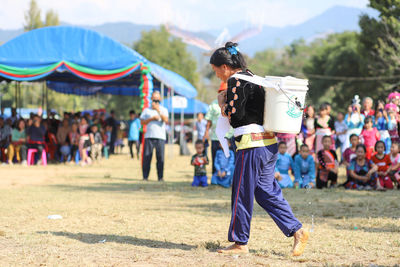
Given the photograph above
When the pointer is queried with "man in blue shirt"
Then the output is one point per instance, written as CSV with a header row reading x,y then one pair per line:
x,y
133,132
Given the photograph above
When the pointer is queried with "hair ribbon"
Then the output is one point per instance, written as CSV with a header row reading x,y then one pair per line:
x,y
233,50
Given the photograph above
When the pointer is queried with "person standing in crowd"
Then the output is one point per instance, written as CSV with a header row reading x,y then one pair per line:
x,y
5,136
355,122
243,104
370,136
155,117
14,117
381,123
96,143
18,143
393,126
73,136
133,133
200,126
367,108
308,128
304,169
36,137
324,126
340,129
84,142
62,139
114,125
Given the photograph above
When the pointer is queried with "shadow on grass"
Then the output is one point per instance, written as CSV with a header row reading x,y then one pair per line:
x,y
183,188
97,238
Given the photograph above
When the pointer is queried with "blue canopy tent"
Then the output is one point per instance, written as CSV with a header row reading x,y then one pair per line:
x,y
79,61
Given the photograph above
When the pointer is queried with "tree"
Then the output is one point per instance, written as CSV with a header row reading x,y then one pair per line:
x,y
380,39
338,56
51,18
161,48
32,17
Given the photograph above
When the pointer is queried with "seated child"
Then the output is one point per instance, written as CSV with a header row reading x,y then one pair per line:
x,y
382,161
304,169
327,164
283,164
362,171
395,166
96,141
224,168
199,161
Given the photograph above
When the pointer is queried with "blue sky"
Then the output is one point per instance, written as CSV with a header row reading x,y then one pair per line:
x,y
188,14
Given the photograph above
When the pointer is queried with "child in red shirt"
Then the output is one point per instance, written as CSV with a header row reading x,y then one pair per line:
x,y
383,162
370,135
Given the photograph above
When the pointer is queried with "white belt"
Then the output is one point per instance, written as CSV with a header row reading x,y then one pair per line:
x,y
247,129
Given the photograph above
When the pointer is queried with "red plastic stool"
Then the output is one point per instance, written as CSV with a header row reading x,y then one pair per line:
x,y
31,156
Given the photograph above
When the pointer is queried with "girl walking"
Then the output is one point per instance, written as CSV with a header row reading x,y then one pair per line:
x,y
243,104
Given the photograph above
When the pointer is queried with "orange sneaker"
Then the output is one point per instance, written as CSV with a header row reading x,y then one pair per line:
x,y
234,249
300,241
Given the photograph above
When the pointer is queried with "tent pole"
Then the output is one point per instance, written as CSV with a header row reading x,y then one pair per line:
x,y
181,132
47,101
43,97
162,91
172,122
19,98
16,95
194,120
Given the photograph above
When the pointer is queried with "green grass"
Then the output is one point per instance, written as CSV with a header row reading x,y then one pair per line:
x,y
173,224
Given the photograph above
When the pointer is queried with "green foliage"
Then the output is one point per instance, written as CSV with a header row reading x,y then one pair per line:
x,y
338,56
161,48
51,18
381,39
32,17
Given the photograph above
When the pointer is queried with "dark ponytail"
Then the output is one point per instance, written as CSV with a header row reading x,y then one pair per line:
x,y
229,55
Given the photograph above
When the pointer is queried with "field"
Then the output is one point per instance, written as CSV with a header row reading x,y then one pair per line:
x,y
110,217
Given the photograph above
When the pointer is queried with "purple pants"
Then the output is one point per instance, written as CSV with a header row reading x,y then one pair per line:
x,y
254,177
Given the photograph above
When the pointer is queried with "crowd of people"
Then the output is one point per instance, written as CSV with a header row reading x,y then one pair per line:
x,y
365,140
80,138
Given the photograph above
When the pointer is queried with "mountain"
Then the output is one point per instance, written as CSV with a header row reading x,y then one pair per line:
x,y
335,19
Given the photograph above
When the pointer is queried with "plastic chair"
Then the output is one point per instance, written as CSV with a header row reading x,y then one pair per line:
x,y
31,156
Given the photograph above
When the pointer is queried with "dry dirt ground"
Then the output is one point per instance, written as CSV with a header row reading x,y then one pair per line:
x,y
110,217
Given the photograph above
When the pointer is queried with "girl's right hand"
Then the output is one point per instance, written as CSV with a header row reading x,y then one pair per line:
x,y
222,98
